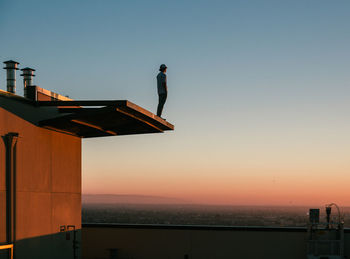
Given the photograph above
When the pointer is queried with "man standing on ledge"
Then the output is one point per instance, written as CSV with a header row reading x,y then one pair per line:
x,y
162,88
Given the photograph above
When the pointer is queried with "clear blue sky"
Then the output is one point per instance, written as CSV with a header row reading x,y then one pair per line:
x,y
258,91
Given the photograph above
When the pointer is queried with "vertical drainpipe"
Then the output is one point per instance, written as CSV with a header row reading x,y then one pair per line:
x,y
10,140
28,74
11,67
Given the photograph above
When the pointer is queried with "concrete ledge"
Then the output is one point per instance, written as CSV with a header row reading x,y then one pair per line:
x,y
194,242
198,227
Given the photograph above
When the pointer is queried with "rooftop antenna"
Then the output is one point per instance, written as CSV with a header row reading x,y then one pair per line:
x,y
328,213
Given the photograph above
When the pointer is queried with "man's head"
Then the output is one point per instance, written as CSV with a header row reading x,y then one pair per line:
x,y
163,68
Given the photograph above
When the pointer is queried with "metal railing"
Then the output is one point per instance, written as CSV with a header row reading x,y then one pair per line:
x,y
8,246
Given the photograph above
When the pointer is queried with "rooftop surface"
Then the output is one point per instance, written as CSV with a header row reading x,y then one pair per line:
x,y
86,118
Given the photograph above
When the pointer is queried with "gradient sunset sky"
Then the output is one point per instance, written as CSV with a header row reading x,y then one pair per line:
x,y
258,92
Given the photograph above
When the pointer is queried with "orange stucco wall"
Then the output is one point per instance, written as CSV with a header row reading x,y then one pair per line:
x,y
48,179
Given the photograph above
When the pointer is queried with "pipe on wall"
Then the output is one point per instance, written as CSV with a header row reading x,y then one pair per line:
x,y
10,140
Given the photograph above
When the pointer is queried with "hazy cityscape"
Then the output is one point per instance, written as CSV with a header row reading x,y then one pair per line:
x,y
192,214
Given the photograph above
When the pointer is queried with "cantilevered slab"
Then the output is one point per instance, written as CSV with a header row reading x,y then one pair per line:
x,y
103,118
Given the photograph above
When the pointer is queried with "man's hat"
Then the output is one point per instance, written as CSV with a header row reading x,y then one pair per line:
x,y
162,67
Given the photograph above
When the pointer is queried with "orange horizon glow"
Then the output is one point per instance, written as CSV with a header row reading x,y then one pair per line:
x,y
234,189
243,169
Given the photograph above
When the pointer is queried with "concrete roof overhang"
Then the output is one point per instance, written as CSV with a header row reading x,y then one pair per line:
x,y
88,119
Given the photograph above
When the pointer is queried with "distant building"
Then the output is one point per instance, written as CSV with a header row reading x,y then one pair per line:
x,y
40,158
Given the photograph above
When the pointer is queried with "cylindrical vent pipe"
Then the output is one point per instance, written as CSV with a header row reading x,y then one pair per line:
x,y
28,74
11,67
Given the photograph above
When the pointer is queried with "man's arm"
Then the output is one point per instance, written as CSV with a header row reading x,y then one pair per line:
x,y
164,83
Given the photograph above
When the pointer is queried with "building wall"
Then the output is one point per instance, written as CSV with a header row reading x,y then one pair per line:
x,y
48,188
158,242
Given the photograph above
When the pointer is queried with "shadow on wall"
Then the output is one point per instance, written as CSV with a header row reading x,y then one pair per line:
x,y
55,246
108,241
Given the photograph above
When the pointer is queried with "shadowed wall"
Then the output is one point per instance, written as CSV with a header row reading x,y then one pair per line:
x,y
174,242
48,185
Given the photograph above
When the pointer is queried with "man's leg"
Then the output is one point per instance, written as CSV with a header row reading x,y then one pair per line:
x,y
162,99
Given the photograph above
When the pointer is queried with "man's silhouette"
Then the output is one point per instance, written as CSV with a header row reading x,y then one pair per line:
x,y
162,88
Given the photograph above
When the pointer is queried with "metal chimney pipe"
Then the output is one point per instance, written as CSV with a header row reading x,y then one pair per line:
x,y
11,67
28,74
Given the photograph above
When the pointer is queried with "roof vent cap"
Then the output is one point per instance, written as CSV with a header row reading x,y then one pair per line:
x,y
28,74
11,67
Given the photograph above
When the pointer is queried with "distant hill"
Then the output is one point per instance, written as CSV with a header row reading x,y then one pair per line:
x,y
128,199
